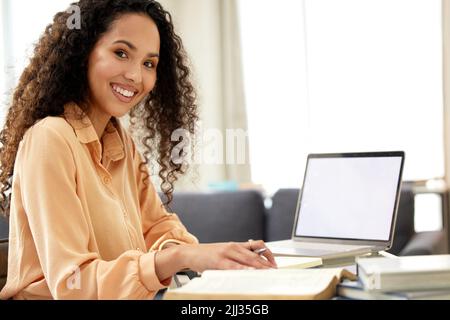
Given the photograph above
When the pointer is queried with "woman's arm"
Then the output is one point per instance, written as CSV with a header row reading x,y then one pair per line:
x,y
200,257
60,229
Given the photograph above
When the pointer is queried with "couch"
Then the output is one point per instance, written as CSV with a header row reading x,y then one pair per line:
x,y
3,250
222,216
243,215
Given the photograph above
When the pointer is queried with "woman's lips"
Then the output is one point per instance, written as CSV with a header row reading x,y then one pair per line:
x,y
121,97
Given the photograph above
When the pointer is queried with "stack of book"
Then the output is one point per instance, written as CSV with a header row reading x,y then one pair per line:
x,y
412,277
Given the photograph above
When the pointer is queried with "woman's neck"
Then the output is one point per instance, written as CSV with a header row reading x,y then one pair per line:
x,y
99,120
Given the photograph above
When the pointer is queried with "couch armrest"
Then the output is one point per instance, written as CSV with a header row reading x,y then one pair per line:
x,y
424,243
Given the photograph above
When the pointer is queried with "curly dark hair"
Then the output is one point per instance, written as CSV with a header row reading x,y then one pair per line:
x,y
57,74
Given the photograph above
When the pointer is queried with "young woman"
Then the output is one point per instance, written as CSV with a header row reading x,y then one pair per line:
x,y
85,220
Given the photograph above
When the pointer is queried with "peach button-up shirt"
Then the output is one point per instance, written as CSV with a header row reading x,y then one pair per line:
x,y
83,224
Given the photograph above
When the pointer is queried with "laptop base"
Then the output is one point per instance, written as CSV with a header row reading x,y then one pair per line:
x,y
327,251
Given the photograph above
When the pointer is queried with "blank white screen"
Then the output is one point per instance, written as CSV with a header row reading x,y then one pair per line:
x,y
351,198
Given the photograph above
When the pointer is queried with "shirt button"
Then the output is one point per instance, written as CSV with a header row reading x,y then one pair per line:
x,y
106,180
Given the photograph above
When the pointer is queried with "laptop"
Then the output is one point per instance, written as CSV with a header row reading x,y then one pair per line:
x,y
347,206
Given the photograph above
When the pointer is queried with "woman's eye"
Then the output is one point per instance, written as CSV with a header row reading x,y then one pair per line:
x,y
120,54
149,64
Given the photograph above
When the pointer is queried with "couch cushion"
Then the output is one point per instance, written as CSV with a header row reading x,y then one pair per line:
x,y
404,227
3,262
280,217
221,215
4,228
3,250
424,243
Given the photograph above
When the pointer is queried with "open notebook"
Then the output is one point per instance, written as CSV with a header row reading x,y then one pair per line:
x,y
262,284
297,262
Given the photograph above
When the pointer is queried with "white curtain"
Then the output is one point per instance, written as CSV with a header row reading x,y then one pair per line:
x,y
210,33
233,109
3,62
446,74
17,40
446,94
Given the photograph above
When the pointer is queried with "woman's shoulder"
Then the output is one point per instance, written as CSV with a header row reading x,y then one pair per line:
x,y
51,127
49,139
57,123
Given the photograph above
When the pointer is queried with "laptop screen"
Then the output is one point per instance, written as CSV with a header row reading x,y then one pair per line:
x,y
350,197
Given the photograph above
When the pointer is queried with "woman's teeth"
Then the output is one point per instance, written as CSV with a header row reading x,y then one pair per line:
x,y
123,92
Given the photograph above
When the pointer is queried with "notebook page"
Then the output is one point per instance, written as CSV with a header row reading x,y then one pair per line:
x,y
297,262
268,281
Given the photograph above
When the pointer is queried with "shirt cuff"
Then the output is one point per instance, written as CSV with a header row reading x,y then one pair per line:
x,y
165,242
177,236
147,273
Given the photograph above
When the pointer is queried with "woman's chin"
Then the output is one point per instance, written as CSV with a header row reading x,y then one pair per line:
x,y
119,114
119,110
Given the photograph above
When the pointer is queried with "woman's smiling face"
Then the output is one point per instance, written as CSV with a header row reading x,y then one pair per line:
x,y
122,65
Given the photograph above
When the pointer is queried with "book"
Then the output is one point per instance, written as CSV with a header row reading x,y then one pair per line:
x,y
282,263
355,290
409,273
297,262
262,284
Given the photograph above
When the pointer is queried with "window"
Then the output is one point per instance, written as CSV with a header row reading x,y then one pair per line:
x,y
274,69
2,64
342,76
22,21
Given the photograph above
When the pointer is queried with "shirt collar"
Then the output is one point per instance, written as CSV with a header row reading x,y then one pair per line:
x,y
84,130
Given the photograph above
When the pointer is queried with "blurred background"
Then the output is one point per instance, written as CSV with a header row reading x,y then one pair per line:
x,y
277,80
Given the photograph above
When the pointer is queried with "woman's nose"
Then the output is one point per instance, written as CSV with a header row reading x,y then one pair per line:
x,y
134,73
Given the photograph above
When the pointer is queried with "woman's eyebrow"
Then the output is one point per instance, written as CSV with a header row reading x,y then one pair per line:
x,y
132,47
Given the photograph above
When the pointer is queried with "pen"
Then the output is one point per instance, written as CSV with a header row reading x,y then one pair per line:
x,y
260,251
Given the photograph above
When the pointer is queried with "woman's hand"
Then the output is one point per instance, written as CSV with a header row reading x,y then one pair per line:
x,y
228,255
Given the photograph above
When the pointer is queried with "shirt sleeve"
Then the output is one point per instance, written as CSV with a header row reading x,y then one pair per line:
x,y
60,228
159,226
